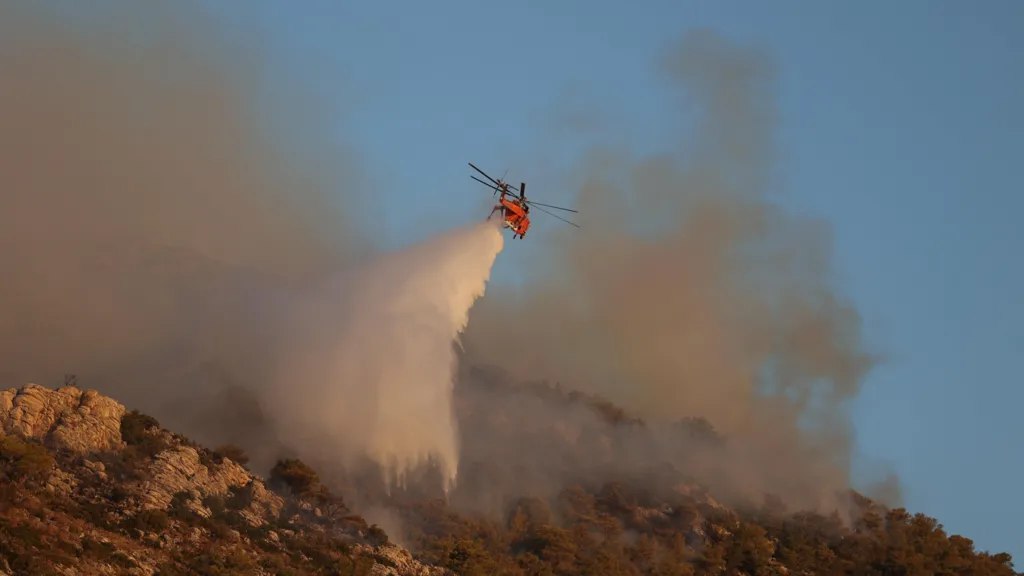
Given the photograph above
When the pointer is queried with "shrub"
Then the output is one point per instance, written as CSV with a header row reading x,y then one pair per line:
x,y
239,497
232,452
119,494
296,475
149,521
122,466
134,426
95,549
216,504
24,460
376,535
179,508
96,513
169,569
135,431
122,560
208,458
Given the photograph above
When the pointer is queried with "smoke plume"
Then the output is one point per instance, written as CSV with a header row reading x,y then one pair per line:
x,y
687,293
157,242
369,363
162,247
149,225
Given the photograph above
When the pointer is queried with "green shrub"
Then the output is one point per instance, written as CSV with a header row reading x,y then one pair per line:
x,y
96,513
296,476
239,497
170,569
222,561
233,453
179,508
149,521
24,460
137,431
123,560
376,535
97,550
216,503
134,426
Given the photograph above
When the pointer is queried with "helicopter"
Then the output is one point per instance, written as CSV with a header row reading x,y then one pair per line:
x,y
515,212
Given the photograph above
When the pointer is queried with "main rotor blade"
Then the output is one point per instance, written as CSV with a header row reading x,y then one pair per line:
x,y
495,188
491,186
550,206
484,173
557,216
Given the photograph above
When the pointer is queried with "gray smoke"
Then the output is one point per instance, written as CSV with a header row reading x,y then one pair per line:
x,y
160,246
722,310
149,225
156,239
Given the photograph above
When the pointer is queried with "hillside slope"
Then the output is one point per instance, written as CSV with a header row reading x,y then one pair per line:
x,y
88,488
585,493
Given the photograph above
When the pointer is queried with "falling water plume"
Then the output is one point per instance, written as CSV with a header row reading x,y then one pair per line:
x,y
371,365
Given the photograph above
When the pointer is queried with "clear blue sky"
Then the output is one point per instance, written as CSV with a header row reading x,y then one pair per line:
x,y
901,125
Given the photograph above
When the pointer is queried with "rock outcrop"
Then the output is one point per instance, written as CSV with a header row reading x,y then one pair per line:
x,y
396,561
181,470
67,418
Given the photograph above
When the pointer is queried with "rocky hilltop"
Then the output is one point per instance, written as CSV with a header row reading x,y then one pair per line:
x,y
68,418
90,488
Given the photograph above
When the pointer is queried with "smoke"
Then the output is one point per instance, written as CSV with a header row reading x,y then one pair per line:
x,y
533,440
156,241
160,245
368,368
150,226
687,293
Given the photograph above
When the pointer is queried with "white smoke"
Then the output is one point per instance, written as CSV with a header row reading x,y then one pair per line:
x,y
370,362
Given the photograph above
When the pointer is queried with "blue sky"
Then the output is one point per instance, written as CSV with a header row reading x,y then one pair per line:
x,y
901,126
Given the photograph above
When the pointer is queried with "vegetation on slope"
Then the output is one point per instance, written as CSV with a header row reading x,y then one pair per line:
x,y
64,511
616,530
667,524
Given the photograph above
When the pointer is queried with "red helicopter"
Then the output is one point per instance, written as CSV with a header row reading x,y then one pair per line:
x,y
515,211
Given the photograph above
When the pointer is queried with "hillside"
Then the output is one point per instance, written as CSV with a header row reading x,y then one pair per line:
x,y
91,488
606,503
